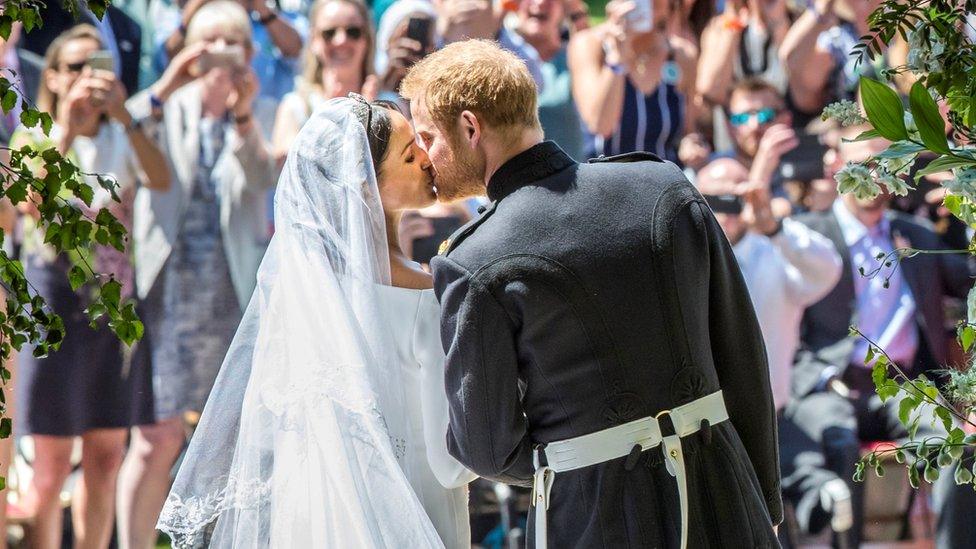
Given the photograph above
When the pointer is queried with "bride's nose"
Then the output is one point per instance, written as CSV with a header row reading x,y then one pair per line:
x,y
425,163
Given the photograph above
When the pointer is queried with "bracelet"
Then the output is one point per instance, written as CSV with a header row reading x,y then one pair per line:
x,y
268,18
243,119
733,23
616,68
155,102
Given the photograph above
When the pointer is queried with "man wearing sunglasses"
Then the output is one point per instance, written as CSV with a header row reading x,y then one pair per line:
x,y
787,267
761,127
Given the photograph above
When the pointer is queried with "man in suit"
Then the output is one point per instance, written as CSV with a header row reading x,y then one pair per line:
x,y
787,267
898,307
593,316
120,34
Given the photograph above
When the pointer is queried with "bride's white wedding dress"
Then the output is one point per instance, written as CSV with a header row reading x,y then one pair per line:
x,y
326,427
438,479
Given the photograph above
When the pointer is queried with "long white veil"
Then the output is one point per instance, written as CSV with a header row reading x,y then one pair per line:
x,y
302,439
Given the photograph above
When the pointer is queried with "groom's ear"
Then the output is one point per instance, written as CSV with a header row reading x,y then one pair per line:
x,y
470,128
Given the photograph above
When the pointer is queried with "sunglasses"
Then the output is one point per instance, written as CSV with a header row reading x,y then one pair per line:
x,y
763,116
352,33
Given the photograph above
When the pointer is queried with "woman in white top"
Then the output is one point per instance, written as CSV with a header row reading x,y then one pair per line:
x,y
327,424
84,390
338,61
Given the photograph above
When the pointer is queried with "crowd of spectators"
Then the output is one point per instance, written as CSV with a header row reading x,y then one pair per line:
x,y
192,106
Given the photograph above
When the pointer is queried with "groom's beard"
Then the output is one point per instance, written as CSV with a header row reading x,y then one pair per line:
x,y
463,177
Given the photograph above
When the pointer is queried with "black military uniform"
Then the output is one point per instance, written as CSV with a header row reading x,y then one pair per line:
x,y
590,295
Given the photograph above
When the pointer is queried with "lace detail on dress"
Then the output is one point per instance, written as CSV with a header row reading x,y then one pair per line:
x,y
188,521
332,384
345,385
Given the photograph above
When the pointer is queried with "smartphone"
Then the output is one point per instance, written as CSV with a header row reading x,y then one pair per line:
x,y
101,60
418,28
424,249
805,162
641,18
227,57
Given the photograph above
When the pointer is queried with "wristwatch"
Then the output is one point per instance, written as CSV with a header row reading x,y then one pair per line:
x,y
271,16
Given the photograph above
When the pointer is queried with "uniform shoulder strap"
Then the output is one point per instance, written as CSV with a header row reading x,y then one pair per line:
x,y
637,156
459,235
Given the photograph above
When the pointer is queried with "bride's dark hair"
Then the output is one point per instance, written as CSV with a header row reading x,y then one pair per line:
x,y
375,117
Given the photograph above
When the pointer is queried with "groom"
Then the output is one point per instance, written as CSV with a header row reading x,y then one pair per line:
x,y
601,345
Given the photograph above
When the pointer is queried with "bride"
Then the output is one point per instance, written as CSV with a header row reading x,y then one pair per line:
x,y
326,425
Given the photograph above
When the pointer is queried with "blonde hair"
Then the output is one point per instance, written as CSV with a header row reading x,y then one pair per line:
x,y
47,100
311,77
478,76
224,15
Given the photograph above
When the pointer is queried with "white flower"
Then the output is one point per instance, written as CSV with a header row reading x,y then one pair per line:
x,y
845,112
895,184
857,179
923,55
963,184
895,166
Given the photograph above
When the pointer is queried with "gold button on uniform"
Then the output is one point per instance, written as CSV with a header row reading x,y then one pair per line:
x,y
444,246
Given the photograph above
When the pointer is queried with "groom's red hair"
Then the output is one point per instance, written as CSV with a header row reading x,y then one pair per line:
x,y
478,76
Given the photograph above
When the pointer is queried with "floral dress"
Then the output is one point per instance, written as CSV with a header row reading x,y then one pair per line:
x,y
192,312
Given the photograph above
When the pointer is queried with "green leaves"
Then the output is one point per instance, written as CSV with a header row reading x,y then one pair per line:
x,y
966,335
77,277
30,118
944,164
906,407
9,100
864,136
931,126
885,387
6,25
884,110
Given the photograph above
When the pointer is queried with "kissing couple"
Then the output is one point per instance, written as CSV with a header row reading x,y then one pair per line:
x,y
588,335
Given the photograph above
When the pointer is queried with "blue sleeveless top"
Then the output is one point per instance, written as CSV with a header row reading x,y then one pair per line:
x,y
652,123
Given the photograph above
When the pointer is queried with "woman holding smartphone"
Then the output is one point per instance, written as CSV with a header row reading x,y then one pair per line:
x,y
338,61
198,245
633,81
86,390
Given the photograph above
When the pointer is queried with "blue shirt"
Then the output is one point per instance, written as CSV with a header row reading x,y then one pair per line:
x,y
885,315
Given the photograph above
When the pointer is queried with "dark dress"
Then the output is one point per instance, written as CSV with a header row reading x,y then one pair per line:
x,y
653,123
587,296
89,383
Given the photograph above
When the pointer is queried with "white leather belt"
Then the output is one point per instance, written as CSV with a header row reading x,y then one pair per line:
x,y
622,440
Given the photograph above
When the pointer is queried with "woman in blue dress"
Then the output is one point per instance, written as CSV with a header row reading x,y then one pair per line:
x,y
633,81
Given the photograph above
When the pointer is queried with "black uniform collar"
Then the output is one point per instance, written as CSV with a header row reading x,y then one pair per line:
x,y
533,164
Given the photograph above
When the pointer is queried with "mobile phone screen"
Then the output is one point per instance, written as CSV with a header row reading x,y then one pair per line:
x,y
418,28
